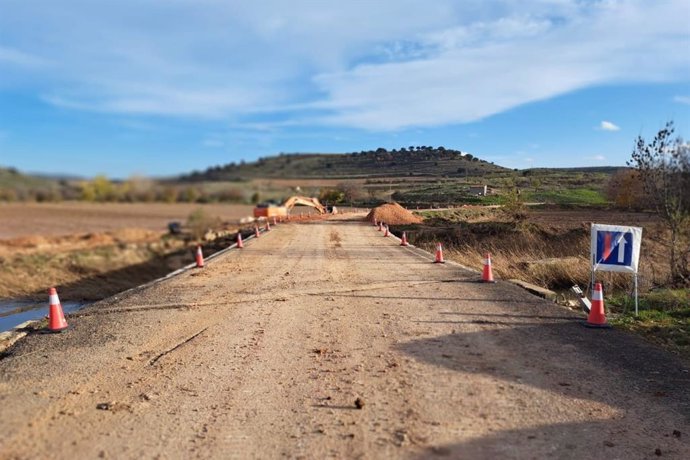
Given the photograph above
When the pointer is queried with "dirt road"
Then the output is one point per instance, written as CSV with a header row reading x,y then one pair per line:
x,y
263,353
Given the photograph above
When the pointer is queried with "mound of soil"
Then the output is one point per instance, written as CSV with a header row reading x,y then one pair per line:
x,y
393,214
65,243
134,235
30,241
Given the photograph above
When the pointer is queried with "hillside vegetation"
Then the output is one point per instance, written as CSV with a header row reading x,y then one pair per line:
x,y
413,161
15,185
415,176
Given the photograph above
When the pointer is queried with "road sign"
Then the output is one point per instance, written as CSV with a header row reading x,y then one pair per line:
x,y
615,248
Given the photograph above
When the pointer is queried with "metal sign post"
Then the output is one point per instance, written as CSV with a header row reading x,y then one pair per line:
x,y
616,248
635,294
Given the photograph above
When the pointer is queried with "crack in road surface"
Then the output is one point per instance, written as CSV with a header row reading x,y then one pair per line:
x,y
185,341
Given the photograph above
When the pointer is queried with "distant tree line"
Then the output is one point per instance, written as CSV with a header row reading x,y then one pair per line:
x,y
135,189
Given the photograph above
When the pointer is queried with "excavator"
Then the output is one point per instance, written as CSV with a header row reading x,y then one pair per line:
x,y
268,209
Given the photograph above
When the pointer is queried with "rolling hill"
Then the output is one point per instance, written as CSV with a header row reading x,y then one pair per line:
x,y
420,161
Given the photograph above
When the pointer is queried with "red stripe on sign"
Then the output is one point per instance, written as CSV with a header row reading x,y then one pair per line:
x,y
607,245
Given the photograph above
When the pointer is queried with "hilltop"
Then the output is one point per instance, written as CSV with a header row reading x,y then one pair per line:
x,y
16,185
417,176
412,161
11,177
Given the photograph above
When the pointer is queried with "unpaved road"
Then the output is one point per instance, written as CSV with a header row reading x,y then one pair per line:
x,y
262,354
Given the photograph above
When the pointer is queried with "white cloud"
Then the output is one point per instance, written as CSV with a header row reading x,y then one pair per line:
x,y
468,79
15,57
597,158
608,126
682,99
386,65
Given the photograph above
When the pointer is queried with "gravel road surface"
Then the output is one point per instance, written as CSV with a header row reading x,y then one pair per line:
x,y
327,340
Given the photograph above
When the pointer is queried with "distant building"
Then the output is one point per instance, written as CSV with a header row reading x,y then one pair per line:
x,y
479,190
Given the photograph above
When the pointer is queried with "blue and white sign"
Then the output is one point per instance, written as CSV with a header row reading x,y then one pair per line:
x,y
615,248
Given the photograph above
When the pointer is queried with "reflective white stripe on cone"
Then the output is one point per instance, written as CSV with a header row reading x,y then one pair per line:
x,y
439,254
487,272
56,317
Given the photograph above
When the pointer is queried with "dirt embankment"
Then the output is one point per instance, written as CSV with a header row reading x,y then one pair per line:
x,y
86,267
93,250
393,214
549,248
45,244
94,265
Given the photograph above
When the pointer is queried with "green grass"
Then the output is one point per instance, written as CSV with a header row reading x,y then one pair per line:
x,y
666,300
664,317
577,196
455,194
444,194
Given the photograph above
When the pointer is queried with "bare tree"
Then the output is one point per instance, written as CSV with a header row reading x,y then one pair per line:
x,y
625,190
351,191
664,168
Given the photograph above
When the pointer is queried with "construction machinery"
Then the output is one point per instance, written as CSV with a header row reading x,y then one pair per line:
x,y
270,209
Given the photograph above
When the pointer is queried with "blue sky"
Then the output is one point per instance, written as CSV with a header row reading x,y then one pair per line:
x,y
163,87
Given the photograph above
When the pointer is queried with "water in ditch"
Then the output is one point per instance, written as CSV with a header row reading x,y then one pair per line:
x,y
15,312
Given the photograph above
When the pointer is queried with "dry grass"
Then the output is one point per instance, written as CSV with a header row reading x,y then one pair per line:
x,y
89,274
554,255
89,250
551,249
537,266
526,255
335,238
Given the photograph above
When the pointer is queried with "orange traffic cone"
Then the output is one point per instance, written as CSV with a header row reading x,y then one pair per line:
x,y
268,226
404,242
487,273
439,254
386,233
597,317
274,221
199,256
257,233
56,318
240,244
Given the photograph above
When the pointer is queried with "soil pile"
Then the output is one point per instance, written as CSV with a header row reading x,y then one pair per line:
x,y
393,214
